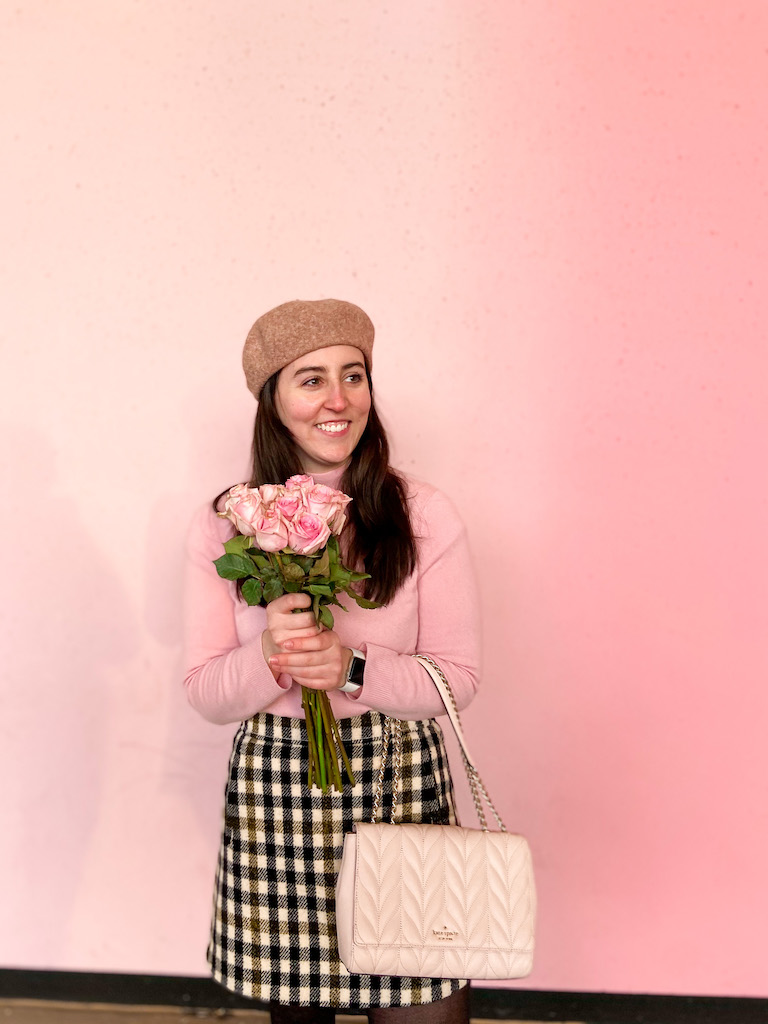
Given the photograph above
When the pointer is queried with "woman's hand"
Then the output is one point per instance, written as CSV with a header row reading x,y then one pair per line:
x,y
293,643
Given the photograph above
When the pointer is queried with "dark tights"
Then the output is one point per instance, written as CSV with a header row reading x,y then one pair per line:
x,y
452,1010
280,1014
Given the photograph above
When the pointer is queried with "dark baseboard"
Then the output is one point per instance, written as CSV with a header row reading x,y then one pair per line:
x,y
493,1004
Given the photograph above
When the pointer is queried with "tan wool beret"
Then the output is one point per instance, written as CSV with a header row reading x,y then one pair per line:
x,y
295,328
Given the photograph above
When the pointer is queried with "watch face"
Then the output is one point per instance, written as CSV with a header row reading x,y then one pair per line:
x,y
356,670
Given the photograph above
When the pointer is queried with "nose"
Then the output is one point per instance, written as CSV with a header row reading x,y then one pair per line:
x,y
336,400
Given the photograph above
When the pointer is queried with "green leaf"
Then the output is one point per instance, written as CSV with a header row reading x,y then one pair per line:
x,y
326,616
357,576
340,576
362,601
319,581
273,589
252,591
234,567
322,590
333,550
322,566
237,545
291,571
260,559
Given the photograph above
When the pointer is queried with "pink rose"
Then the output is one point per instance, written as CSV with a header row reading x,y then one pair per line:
x,y
270,531
321,500
307,533
339,517
329,504
336,522
289,504
298,481
271,492
243,507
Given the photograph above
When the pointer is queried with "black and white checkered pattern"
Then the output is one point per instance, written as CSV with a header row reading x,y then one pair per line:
x,y
273,934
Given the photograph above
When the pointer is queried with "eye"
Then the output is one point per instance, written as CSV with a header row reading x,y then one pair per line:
x,y
310,382
355,378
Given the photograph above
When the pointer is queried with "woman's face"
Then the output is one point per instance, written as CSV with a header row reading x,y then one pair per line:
x,y
323,399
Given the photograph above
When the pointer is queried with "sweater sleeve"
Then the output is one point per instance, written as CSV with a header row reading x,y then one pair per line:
x,y
448,624
226,681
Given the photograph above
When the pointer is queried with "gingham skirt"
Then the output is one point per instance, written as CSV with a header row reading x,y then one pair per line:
x,y
273,935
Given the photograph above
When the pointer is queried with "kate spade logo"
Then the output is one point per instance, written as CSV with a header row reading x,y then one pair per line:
x,y
444,934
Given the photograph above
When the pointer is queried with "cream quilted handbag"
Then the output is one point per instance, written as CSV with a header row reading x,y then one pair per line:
x,y
435,901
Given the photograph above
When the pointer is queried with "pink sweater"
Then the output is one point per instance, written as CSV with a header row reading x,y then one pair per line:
x,y
435,613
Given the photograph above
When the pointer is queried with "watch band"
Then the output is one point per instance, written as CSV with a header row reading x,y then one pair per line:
x,y
354,679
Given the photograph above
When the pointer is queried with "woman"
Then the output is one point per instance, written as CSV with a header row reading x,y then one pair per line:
x,y
273,934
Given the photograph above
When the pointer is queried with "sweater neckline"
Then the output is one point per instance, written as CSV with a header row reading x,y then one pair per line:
x,y
331,479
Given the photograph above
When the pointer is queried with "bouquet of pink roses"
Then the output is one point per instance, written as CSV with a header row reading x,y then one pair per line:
x,y
287,542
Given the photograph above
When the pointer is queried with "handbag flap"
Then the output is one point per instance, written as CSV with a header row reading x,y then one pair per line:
x,y
443,887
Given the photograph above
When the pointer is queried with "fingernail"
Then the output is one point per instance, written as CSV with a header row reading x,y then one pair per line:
x,y
273,661
288,644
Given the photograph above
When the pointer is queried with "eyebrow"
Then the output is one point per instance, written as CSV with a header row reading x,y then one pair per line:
x,y
324,369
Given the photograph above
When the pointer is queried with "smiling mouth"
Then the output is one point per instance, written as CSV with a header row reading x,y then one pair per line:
x,y
333,428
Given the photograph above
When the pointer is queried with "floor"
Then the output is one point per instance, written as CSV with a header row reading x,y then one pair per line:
x,y
30,1011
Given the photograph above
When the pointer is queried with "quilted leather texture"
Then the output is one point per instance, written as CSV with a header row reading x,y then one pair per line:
x,y
435,901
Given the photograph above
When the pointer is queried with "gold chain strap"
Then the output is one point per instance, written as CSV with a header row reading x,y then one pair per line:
x,y
393,730
476,784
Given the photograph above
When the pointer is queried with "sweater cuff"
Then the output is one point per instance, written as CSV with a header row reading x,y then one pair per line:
x,y
235,686
397,685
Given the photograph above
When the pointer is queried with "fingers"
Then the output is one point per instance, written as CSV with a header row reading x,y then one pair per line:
x,y
303,624
288,602
282,621
282,609
316,661
310,663
317,677
308,641
302,650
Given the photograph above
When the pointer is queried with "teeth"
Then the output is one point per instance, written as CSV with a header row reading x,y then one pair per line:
x,y
332,428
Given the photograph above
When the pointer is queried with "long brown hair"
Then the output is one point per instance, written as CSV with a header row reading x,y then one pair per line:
x,y
379,535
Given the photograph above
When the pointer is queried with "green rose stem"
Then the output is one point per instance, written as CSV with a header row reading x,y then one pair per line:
x,y
323,733
313,759
322,752
327,716
347,765
265,576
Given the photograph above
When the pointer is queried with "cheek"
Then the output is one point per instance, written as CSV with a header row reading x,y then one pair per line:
x,y
280,408
293,413
365,403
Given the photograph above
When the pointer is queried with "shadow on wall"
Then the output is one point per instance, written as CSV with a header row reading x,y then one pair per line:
x,y
67,622
195,752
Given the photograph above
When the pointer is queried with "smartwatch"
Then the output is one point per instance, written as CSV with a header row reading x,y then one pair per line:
x,y
354,679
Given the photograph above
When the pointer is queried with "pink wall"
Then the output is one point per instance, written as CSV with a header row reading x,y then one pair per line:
x,y
556,215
